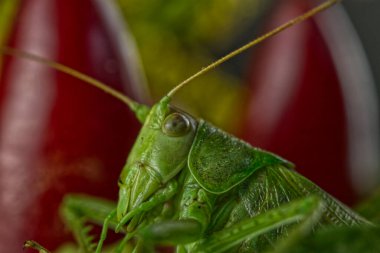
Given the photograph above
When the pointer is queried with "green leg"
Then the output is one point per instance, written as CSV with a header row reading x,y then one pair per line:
x,y
172,232
123,244
77,210
306,211
103,235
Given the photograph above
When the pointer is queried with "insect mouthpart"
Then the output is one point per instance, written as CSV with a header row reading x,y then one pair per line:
x,y
134,214
141,182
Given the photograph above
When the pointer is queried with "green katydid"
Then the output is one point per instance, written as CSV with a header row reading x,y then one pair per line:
x,y
189,184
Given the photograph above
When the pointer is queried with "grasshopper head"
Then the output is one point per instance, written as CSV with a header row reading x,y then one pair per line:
x,y
158,155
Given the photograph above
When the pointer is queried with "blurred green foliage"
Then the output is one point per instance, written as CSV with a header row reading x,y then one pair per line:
x,y
370,207
8,9
340,240
175,39
346,239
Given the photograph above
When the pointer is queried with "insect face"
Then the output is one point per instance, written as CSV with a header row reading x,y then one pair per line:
x,y
159,154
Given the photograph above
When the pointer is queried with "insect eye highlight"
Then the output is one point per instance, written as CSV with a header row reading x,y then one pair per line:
x,y
176,125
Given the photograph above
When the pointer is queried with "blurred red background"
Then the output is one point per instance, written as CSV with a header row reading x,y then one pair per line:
x,y
57,134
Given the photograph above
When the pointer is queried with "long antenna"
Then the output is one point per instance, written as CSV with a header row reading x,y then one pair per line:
x,y
133,105
254,42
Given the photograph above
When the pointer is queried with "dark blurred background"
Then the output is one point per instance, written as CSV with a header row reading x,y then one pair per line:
x,y
365,16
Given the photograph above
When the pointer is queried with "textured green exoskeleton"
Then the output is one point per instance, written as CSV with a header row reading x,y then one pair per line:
x,y
189,184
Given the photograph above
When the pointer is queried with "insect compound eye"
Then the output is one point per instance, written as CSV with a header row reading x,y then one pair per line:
x,y
176,125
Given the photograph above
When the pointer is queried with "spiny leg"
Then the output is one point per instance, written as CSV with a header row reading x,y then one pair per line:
x,y
34,245
77,210
306,211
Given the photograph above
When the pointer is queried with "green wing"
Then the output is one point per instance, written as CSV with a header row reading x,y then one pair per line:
x,y
276,185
